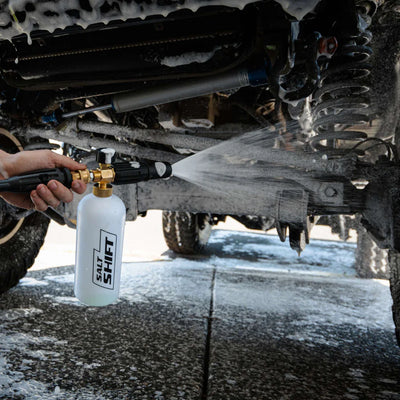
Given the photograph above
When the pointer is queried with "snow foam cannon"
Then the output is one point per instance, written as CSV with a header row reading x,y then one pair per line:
x,y
120,173
100,226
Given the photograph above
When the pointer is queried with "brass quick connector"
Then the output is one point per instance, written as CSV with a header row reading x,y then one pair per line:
x,y
82,174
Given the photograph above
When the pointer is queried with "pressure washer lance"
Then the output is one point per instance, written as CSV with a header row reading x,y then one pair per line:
x,y
100,220
122,173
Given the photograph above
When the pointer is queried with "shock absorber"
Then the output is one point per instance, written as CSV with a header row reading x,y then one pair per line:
x,y
342,104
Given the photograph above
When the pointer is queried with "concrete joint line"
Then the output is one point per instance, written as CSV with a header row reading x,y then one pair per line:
x,y
207,349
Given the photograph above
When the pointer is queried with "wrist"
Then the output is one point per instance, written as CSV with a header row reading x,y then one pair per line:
x,y
5,164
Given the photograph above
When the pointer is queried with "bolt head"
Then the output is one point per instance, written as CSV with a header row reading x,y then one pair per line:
x,y
330,191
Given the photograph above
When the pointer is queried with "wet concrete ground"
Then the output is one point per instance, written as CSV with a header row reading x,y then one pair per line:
x,y
249,320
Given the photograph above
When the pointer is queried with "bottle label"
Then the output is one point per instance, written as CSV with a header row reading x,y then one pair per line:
x,y
104,260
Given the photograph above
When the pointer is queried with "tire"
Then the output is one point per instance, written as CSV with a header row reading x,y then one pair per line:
x,y
186,233
371,261
20,239
394,263
20,243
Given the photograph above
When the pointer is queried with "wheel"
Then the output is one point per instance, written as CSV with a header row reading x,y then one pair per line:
x,y
394,263
20,242
20,239
186,233
371,261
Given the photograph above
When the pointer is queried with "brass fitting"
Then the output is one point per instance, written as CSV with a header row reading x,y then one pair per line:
x,y
107,173
94,175
102,190
102,177
82,174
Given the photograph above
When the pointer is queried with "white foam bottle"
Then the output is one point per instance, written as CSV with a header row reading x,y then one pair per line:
x,y
100,235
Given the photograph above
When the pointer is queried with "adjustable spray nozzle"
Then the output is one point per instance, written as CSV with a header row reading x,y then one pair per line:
x,y
119,173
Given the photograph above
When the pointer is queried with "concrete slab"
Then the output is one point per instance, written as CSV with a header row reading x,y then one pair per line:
x,y
296,336
249,320
150,345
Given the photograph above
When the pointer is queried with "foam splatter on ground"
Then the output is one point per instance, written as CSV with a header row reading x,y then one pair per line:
x,y
273,315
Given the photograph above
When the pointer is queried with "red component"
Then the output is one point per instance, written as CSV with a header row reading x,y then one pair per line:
x,y
327,46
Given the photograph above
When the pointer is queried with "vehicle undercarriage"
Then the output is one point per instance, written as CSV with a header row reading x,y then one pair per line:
x,y
163,80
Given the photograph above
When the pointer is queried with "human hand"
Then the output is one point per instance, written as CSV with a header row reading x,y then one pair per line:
x,y
43,196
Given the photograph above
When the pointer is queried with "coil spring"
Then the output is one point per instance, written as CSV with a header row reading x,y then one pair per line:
x,y
342,104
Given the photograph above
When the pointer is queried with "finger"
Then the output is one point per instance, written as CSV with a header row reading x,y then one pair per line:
x,y
39,204
78,187
47,196
62,161
26,161
59,191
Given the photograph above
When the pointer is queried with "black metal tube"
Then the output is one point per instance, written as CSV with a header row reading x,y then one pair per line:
x,y
179,91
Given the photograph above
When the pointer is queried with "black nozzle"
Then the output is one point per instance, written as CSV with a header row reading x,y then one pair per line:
x,y
134,172
160,169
